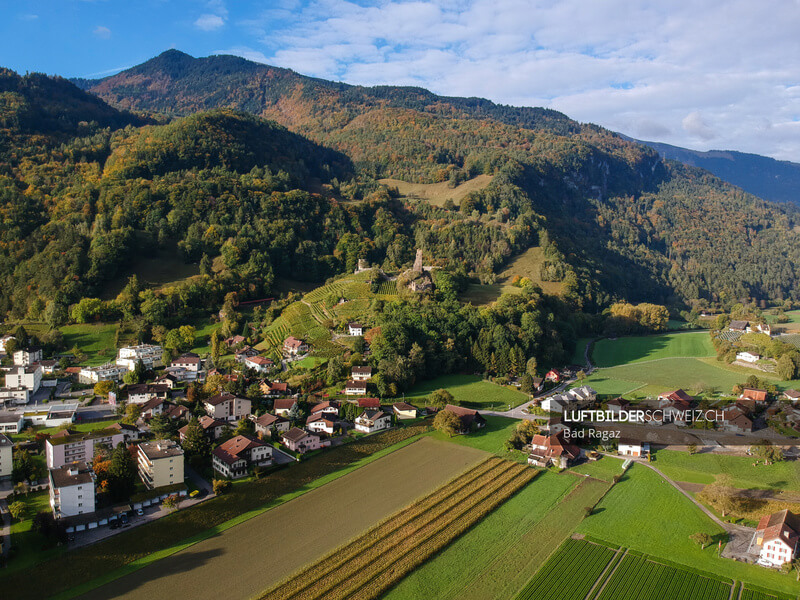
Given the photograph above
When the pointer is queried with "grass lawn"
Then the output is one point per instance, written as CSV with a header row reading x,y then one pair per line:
x,y
491,438
438,193
605,468
579,356
481,294
29,546
451,571
645,513
83,427
469,390
529,264
702,468
96,340
202,336
626,350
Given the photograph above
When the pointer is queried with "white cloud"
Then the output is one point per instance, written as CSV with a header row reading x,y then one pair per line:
x,y
633,66
101,32
209,22
28,17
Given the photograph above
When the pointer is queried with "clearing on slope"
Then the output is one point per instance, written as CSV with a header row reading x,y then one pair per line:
x,y
438,193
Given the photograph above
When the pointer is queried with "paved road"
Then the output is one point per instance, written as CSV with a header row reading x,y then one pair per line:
x,y
5,528
519,411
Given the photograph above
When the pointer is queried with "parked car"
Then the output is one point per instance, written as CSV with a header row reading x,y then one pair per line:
x,y
140,511
123,518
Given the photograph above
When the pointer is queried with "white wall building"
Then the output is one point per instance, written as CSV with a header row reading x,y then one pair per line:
x,y
29,378
149,354
72,490
6,457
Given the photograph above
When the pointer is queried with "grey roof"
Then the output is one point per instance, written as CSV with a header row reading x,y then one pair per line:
x,y
63,478
160,449
5,441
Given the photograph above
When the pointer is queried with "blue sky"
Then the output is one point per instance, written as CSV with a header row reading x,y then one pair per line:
x,y
711,74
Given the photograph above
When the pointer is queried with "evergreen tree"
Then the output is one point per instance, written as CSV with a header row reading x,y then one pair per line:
x,y
195,442
122,473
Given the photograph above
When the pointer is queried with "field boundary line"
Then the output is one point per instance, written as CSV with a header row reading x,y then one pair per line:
x,y
610,575
612,564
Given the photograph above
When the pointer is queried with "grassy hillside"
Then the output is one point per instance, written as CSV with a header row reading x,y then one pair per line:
x,y
438,193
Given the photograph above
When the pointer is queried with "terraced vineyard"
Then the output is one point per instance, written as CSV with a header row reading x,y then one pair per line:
x,y
595,571
373,562
730,336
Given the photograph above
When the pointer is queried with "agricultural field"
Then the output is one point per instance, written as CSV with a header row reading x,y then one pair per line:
x,y
449,573
646,514
572,570
702,468
375,561
438,193
469,390
603,469
372,493
634,349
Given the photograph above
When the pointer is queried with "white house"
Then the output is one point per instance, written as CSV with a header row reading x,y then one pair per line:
x,y
29,378
283,406
373,420
9,395
361,373
556,403
228,407
748,357
4,340
322,423
142,393
776,536
28,356
259,364
355,328
109,372
189,361
301,441
6,458
294,346
71,490
355,388
635,448
149,354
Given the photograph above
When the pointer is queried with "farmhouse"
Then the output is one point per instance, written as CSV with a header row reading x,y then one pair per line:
x,y
748,357
371,421
361,373
792,395
738,326
634,448
777,535
283,406
266,422
71,490
758,396
736,420
470,419
228,407
552,450
294,346
301,441
160,463
355,328
233,458
355,388
322,423
403,410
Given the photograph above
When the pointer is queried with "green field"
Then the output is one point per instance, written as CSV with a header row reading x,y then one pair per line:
x,y
529,264
469,390
579,355
494,560
30,546
627,350
95,340
491,438
604,469
702,468
645,513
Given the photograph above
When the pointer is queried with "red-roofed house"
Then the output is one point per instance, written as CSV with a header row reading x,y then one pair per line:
x,y
233,458
355,388
266,422
329,406
213,428
756,395
301,441
676,407
283,406
552,450
259,364
371,421
777,535
228,407
469,418
294,346
373,403
274,389
322,423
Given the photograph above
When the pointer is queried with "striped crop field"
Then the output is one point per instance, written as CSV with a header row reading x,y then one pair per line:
x,y
369,565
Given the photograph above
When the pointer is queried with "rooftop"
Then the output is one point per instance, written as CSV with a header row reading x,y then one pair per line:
x,y
160,449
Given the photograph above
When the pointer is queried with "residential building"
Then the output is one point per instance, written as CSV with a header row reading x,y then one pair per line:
x,y
322,423
792,396
274,389
235,341
28,356
355,388
329,407
80,447
6,457
170,381
48,366
213,428
777,536
228,407
160,463
403,410
11,396
149,354
301,441
189,361
676,407
144,392
618,405
373,403
130,433
470,419
283,406
634,448
259,364
265,423
29,378
155,406
72,490
3,341
109,372
553,450
355,329
361,373
294,346
245,352
748,357
736,420
740,326
371,421
553,375
760,397
234,458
